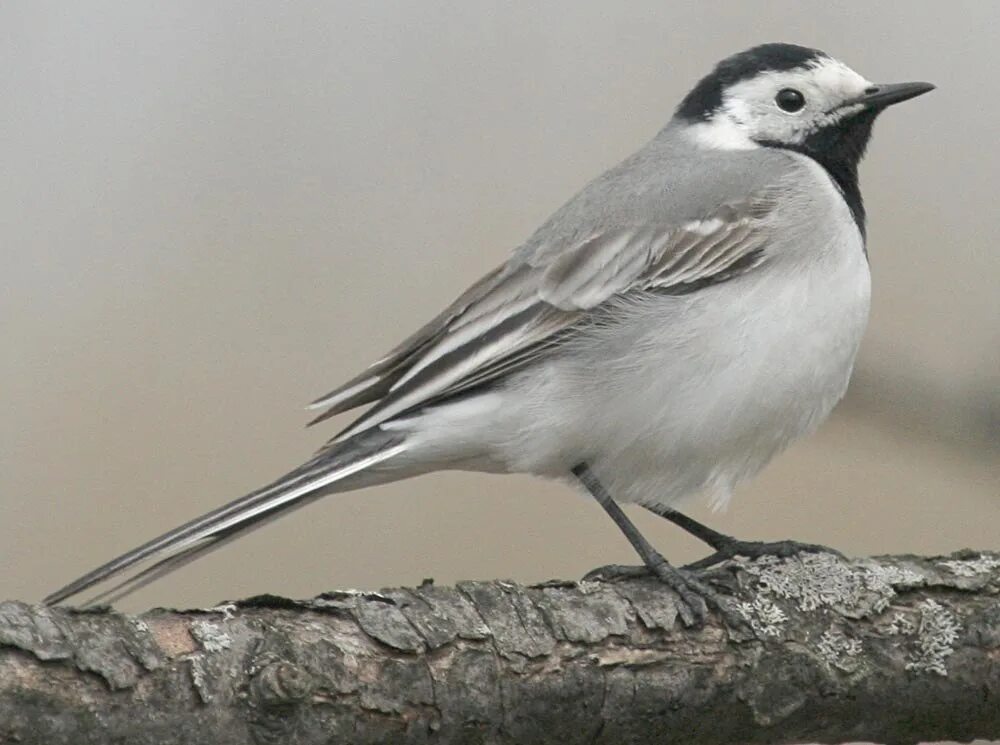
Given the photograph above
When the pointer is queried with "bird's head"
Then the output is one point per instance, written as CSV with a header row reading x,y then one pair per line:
x,y
787,96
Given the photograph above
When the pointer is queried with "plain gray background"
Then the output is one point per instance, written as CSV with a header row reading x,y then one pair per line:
x,y
212,213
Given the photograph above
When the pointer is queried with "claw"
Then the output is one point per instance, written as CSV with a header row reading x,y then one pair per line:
x,y
697,597
695,594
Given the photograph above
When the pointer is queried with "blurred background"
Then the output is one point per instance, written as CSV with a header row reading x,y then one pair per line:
x,y
211,213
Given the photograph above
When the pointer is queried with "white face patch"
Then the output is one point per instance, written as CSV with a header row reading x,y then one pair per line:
x,y
749,113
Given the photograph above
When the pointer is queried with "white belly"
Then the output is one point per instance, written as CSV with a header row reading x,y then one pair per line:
x,y
696,393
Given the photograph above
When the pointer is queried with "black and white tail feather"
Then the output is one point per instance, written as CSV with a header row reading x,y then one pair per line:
x,y
331,468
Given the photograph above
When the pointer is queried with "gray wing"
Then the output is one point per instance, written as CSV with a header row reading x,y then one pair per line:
x,y
523,309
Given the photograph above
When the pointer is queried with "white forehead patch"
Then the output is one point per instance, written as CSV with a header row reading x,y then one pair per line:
x,y
833,75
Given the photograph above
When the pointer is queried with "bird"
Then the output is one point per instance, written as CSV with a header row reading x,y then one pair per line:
x,y
671,328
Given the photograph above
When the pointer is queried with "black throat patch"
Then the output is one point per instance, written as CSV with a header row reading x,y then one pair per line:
x,y
839,148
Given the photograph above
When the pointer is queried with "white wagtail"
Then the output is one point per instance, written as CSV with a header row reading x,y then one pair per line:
x,y
671,328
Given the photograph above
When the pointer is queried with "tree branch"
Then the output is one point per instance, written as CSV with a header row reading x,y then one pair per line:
x,y
896,650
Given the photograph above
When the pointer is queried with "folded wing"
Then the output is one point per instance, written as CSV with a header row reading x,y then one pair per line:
x,y
527,307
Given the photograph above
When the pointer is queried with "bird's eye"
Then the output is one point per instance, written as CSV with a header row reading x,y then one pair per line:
x,y
790,100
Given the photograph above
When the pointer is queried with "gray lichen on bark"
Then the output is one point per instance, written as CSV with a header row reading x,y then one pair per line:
x,y
892,649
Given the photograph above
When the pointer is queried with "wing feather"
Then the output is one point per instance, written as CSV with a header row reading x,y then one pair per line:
x,y
446,375
525,308
375,381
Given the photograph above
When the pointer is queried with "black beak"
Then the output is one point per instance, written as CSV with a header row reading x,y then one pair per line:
x,y
878,97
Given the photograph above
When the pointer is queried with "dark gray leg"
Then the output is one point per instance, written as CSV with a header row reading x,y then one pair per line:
x,y
694,592
726,547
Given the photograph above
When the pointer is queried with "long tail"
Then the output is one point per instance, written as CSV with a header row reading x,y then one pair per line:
x,y
327,472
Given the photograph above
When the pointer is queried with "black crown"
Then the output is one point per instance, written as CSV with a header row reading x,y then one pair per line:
x,y
706,96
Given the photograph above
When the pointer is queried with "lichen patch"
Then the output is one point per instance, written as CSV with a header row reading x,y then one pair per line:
x,y
935,638
763,615
972,567
815,581
840,651
211,636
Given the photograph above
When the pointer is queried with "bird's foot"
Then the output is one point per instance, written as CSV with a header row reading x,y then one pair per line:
x,y
696,595
730,547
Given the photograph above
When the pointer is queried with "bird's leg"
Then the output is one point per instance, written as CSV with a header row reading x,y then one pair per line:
x,y
694,593
726,547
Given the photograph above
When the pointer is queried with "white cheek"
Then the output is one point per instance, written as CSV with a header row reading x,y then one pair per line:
x,y
770,123
829,120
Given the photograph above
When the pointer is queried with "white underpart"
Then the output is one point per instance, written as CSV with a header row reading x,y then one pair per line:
x,y
749,112
684,394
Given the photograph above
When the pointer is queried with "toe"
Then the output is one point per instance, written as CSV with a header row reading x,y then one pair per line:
x,y
614,573
709,561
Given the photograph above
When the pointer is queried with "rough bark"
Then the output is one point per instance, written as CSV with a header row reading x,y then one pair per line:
x,y
898,649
